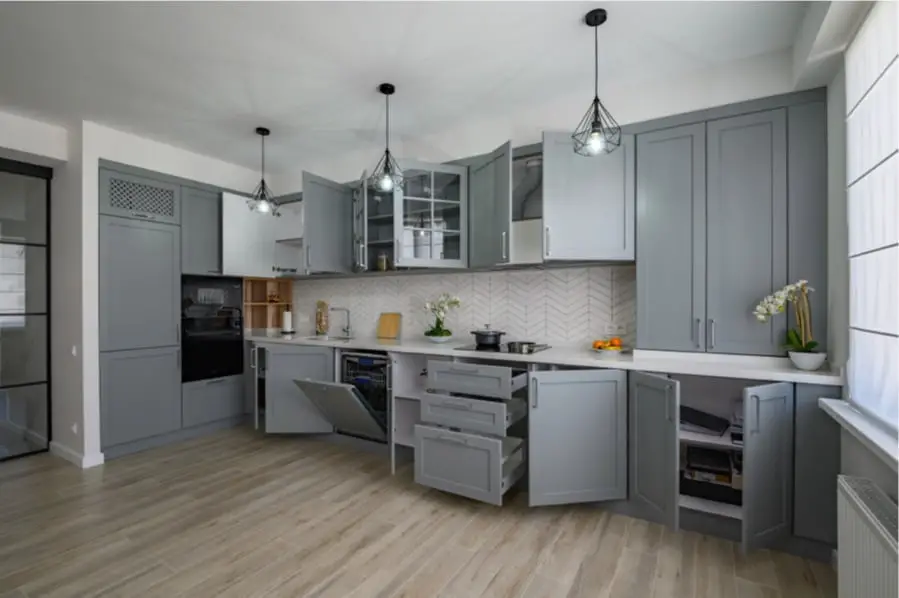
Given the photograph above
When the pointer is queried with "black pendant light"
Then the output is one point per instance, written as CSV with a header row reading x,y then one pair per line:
x,y
263,199
386,176
597,132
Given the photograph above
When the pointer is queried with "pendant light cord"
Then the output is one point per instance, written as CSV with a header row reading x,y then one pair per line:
x,y
387,128
263,157
596,62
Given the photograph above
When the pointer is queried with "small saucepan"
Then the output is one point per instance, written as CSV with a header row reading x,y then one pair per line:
x,y
487,337
523,347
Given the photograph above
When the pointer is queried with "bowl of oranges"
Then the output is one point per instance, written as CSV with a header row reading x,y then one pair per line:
x,y
610,347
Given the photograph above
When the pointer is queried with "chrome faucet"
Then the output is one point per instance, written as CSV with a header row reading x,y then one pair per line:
x,y
348,329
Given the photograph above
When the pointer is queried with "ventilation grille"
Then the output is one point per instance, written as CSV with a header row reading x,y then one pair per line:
x,y
137,197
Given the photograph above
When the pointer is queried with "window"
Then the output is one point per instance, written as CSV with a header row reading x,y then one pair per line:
x,y
872,176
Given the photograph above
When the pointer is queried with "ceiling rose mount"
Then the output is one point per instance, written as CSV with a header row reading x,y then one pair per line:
x,y
387,175
263,200
598,132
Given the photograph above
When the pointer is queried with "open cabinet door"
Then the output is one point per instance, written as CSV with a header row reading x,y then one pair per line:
x,y
767,464
654,407
327,225
490,214
287,408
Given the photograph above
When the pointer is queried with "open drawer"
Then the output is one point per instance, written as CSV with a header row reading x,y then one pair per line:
x,y
474,466
472,415
475,379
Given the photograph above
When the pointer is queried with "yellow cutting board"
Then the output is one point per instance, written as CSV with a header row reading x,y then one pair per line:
x,y
389,325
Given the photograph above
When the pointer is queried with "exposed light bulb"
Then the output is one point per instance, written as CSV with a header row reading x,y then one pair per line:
x,y
595,143
264,206
385,183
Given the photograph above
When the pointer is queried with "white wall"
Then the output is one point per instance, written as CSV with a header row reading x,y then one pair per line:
x,y
32,141
523,123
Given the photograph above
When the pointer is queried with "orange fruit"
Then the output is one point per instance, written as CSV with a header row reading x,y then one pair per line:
x,y
615,341
598,344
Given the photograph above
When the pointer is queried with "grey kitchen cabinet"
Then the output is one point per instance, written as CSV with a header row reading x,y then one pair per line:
x,y
767,486
471,414
490,213
140,394
327,225
671,228
201,231
577,437
482,468
287,409
588,202
132,196
140,284
654,404
816,466
207,401
476,379
747,230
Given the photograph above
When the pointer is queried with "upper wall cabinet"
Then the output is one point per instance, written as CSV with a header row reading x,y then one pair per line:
x,y
490,198
421,224
132,196
327,226
717,204
248,239
588,202
201,231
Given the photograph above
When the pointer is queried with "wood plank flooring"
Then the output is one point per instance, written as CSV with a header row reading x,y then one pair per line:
x,y
238,514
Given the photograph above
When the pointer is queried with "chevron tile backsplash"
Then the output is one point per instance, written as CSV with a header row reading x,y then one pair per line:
x,y
561,305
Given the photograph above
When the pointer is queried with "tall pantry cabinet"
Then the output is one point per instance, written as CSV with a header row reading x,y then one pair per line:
x,y
727,210
139,305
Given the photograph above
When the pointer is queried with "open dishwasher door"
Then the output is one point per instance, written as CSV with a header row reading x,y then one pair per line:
x,y
345,407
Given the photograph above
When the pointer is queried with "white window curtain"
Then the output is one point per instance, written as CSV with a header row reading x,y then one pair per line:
x,y
872,177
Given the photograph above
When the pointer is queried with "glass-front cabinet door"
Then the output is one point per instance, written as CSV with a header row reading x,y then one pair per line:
x,y
421,224
431,216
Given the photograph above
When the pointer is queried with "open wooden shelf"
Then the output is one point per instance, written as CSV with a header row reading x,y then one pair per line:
x,y
259,311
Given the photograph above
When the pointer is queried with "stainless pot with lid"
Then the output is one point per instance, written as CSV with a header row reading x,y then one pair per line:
x,y
487,337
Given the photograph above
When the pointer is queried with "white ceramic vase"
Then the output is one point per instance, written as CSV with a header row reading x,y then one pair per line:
x,y
807,361
439,339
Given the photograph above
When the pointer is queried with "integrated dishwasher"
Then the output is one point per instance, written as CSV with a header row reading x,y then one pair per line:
x,y
358,404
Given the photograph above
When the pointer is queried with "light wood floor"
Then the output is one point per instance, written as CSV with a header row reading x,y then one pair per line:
x,y
240,515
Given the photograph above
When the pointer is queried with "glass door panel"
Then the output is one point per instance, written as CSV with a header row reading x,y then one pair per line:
x,y
447,186
24,320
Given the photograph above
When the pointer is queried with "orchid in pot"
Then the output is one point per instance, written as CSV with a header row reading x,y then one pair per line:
x,y
440,308
800,344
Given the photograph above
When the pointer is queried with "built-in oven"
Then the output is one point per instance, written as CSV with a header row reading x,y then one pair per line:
x,y
211,327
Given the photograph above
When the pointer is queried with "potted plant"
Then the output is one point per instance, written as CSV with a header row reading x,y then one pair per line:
x,y
800,344
440,307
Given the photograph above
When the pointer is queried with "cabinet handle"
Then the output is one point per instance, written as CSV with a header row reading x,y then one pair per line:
x,y
396,251
756,427
711,333
253,358
696,334
463,368
308,259
452,439
503,240
454,405
667,403
534,393
216,381
546,241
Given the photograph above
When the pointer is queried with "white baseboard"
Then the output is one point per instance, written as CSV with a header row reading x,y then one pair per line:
x,y
76,458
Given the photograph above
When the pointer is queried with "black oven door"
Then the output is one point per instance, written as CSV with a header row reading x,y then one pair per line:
x,y
211,354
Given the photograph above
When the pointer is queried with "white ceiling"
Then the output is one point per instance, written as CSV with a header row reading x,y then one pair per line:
x,y
203,75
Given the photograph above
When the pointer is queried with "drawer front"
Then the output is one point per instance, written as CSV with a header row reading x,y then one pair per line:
x,y
211,400
474,379
459,463
469,415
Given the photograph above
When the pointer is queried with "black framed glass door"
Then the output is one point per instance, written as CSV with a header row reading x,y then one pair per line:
x,y
24,309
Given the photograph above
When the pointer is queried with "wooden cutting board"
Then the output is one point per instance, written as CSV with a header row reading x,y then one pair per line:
x,y
389,325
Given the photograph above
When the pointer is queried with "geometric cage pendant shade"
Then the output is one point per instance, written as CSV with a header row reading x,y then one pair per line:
x,y
598,132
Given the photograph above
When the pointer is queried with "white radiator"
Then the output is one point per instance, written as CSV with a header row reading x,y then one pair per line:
x,y
866,544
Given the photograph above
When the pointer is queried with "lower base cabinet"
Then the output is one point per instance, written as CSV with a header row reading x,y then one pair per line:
x,y
140,394
207,401
287,410
767,458
577,437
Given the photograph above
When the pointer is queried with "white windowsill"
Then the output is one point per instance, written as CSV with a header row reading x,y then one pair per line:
x,y
876,439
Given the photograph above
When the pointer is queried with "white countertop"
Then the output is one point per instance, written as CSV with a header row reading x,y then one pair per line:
x,y
700,364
